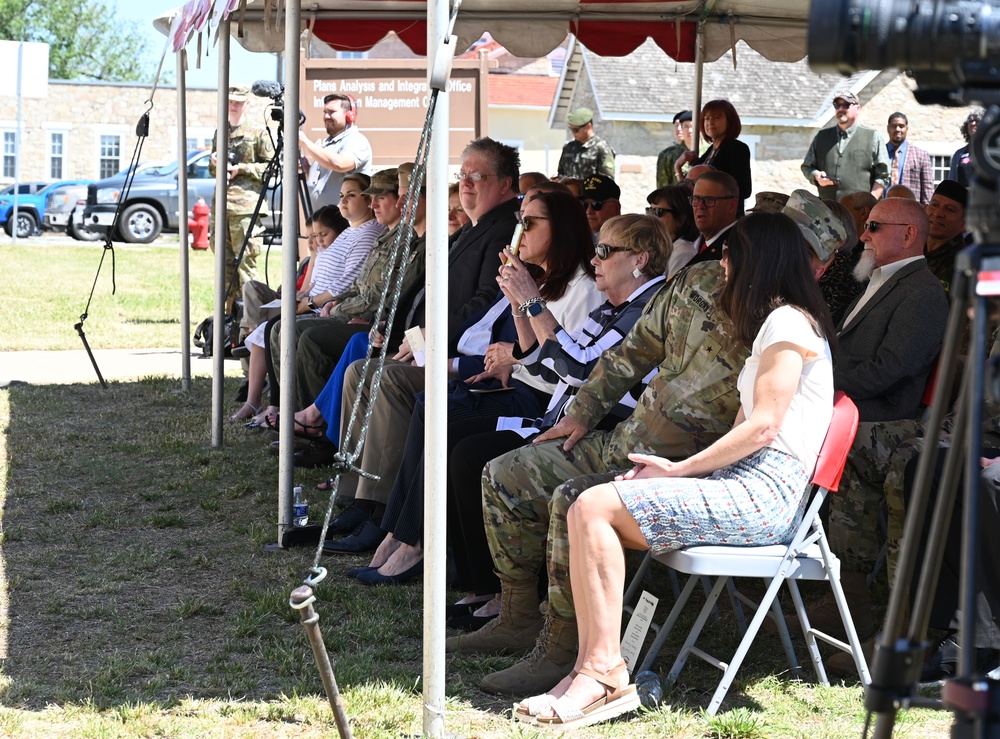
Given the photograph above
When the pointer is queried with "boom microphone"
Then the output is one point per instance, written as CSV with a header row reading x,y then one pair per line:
x,y
267,89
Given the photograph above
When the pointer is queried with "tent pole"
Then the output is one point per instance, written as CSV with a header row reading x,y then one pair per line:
x,y
289,260
221,219
699,69
182,221
436,428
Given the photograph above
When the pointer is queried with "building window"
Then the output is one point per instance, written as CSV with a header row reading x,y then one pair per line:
x,y
9,153
941,164
56,142
195,143
110,159
352,54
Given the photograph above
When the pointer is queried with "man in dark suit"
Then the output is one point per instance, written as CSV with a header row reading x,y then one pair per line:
x,y
715,202
889,342
488,191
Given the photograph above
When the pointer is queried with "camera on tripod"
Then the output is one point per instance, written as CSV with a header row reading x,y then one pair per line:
x,y
274,90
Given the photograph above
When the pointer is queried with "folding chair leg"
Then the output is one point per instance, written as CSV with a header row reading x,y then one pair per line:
x,y
667,626
734,602
632,594
786,640
811,646
845,613
699,624
706,584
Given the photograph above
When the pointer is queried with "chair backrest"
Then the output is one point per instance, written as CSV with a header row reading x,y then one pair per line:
x,y
836,445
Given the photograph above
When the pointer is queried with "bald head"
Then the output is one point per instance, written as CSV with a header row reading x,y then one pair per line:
x,y
860,204
900,191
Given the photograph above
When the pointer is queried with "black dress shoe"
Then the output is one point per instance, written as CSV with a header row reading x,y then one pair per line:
x,y
355,571
365,538
352,517
315,455
374,578
942,663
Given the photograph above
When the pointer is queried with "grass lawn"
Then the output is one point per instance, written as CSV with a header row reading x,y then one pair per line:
x,y
136,599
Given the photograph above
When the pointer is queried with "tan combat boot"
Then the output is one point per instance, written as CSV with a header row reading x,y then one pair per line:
x,y
549,662
515,628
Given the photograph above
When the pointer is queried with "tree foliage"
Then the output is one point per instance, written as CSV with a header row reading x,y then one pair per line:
x,y
87,40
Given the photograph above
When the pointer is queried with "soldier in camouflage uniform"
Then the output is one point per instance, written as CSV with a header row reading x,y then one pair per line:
x,y
690,401
587,154
665,174
250,150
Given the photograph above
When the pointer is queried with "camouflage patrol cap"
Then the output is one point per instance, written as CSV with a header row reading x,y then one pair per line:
x,y
404,172
600,187
821,228
769,202
239,93
847,96
383,182
580,117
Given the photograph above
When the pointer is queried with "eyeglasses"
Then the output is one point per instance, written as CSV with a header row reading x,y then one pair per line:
x,y
707,200
472,176
876,226
658,212
528,221
604,250
842,106
595,204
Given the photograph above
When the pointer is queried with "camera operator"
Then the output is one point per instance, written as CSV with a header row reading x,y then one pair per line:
x,y
250,150
344,151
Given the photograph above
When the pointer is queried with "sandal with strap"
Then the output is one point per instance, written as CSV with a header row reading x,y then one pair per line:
x,y
320,429
247,411
614,702
530,708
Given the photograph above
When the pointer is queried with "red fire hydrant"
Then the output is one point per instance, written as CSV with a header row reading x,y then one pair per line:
x,y
198,226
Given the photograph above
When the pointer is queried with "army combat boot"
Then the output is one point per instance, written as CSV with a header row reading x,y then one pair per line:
x,y
515,628
549,662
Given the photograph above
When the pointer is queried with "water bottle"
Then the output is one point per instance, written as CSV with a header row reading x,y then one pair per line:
x,y
300,508
650,689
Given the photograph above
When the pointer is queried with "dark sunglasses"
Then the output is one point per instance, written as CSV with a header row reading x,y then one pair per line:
x,y
876,226
528,221
603,251
842,106
658,212
595,204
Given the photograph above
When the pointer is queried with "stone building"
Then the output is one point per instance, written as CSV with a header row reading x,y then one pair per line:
x,y
781,106
87,130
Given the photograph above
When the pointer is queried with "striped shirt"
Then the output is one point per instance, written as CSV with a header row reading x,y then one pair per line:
x,y
340,263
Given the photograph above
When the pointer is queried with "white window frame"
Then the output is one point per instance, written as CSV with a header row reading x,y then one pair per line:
x,y
52,129
4,130
123,134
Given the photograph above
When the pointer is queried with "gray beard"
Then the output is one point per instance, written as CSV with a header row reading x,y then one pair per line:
x,y
865,266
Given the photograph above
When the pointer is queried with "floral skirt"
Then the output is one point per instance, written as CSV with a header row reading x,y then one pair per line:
x,y
756,501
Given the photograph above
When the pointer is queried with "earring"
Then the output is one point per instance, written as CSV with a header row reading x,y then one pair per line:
x,y
637,272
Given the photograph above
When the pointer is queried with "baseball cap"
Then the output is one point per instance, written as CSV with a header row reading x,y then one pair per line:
x,y
847,96
769,202
821,228
580,116
239,93
600,187
383,181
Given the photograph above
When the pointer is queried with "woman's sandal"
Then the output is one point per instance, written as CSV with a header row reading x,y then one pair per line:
x,y
247,411
614,702
305,433
530,708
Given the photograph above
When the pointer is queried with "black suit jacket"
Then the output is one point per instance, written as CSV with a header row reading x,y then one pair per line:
x,y
733,158
886,352
714,252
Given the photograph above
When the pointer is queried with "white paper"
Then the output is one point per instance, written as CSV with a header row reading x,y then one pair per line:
x,y
415,337
638,626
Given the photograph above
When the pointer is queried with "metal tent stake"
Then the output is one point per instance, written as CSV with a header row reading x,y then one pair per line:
x,y
301,600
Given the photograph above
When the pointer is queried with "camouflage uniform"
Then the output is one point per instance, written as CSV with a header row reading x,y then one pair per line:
x,y
583,160
941,261
690,401
665,174
251,149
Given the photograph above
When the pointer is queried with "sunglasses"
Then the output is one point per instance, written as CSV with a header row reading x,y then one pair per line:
x,y
842,106
595,204
603,251
658,212
528,221
876,226
707,200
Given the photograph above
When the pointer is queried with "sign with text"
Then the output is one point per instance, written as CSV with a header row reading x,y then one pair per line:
x,y
392,97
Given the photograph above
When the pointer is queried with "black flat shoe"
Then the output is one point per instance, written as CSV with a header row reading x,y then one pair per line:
x,y
315,455
365,538
355,571
352,517
374,578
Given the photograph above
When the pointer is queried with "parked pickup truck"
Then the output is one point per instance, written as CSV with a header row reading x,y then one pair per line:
x,y
31,206
151,207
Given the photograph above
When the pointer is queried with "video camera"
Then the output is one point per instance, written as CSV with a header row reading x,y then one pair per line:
x,y
274,90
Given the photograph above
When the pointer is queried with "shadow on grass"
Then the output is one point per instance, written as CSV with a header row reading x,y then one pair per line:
x,y
134,573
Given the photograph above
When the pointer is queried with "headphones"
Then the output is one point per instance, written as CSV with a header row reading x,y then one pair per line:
x,y
352,113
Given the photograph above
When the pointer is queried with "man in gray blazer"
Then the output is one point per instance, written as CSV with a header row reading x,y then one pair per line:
x,y
889,341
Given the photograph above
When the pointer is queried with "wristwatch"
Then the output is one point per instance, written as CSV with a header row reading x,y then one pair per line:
x,y
535,309
312,305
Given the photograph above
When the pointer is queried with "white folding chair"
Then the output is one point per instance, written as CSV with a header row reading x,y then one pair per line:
x,y
807,557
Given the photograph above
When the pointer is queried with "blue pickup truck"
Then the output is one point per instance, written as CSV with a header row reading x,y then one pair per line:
x,y
31,206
